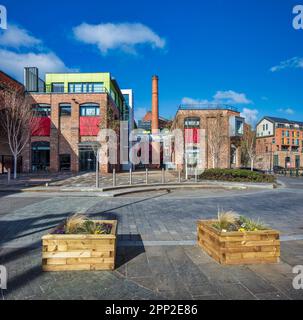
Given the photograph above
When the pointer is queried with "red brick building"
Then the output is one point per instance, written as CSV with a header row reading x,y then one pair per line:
x,y
191,119
70,110
279,144
62,142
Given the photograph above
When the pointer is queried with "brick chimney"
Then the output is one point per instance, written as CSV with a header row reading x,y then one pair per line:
x,y
155,104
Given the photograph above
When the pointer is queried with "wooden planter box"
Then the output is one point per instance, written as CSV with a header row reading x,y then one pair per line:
x,y
239,248
80,252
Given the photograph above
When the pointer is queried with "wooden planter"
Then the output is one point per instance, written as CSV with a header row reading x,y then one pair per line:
x,y
239,248
80,252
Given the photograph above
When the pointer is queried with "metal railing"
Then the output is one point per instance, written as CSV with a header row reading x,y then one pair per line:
x,y
207,106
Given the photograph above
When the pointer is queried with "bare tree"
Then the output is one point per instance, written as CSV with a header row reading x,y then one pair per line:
x,y
217,139
17,121
249,146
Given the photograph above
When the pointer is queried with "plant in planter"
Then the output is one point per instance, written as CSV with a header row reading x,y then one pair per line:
x,y
80,244
233,239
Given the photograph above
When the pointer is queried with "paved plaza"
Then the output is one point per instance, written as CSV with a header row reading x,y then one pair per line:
x,y
157,253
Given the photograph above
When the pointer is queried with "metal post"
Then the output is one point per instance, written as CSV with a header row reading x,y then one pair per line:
x,y
8,175
163,176
196,175
97,171
146,176
130,176
114,178
179,178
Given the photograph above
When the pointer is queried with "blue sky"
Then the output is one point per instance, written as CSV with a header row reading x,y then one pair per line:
x,y
243,52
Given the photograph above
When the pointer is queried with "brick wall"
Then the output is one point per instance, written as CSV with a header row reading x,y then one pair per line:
x,y
65,131
207,117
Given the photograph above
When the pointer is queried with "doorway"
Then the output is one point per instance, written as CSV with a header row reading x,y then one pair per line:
x,y
40,156
87,160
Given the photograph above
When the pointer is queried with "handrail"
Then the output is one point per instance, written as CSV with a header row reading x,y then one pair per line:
x,y
207,106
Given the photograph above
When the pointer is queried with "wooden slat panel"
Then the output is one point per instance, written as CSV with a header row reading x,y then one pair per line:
x,y
68,254
90,261
238,247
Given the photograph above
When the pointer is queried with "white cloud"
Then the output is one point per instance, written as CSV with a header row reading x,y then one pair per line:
x,y
231,97
221,97
123,36
17,37
288,111
19,49
13,63
187,100
250,115
293,63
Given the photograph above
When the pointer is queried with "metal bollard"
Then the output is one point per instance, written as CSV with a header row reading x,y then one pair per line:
x,y
146,176
179,178
130,176
163,176
9,176
196,176
114,178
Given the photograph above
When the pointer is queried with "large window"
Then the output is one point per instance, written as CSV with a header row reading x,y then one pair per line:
x,y
40,156
58,87
42,110
240,127
93,87
65,110
89,110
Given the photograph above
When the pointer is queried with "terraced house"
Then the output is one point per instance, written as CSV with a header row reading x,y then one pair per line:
x,y
71,109
279,144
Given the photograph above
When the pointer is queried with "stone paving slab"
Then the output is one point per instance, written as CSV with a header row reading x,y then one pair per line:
x,y
151,271
182,273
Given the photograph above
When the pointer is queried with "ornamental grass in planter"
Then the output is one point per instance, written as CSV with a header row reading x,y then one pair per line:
x,y
80,244
236,240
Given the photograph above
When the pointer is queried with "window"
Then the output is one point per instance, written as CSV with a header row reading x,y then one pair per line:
x,y
91,87
297,142
65,162
89,110
287,133
283,133
273,141
192,123
276,160
65,110
239,127
42,110
58,87
266,126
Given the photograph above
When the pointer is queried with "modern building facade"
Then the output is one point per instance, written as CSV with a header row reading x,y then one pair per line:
x,y
71,110
279,143
191,119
